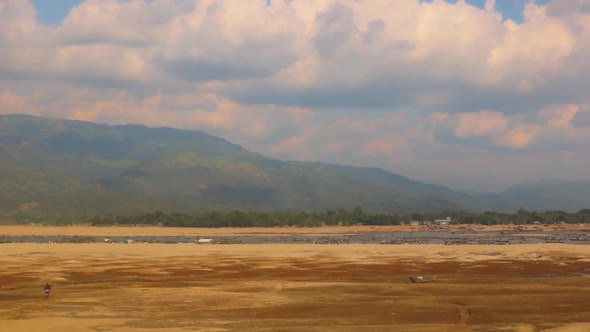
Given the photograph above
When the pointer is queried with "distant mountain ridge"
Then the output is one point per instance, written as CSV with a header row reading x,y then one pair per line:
x,y
56,167
543,195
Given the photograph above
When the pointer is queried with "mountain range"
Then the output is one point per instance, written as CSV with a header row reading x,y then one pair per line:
x,y
57,167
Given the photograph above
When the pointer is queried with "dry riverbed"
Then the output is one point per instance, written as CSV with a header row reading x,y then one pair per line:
x,y
294,287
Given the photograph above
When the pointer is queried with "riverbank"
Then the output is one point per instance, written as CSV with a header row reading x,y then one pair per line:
x,y
85,230
294,287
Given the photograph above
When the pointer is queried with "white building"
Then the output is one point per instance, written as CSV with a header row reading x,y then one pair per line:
x,y
445,221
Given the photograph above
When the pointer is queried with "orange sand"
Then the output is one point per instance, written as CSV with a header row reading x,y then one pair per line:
x,y
301,287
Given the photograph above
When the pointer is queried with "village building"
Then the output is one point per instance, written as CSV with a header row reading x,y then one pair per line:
x,y
446,221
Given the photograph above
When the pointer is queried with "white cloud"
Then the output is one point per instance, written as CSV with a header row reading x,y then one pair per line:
x,y
312,53
481,124
567,7
582,117
551,129
520,136
385,83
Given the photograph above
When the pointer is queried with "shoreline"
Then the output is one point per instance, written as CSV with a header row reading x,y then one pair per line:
x,y
463,252
84,230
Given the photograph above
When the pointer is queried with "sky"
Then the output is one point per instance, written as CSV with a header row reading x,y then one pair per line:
x,y
477,95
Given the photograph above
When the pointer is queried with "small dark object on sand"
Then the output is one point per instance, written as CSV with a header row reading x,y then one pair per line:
x,y
47,290
421,279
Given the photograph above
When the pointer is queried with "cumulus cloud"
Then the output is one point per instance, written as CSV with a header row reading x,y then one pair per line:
x,y
551,129
481,124
368,141
490,5
376,82
256,124
11,103
520,136
566,7
582,117
311,53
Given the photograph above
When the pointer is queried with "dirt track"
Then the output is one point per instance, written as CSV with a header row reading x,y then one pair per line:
x,y
146,287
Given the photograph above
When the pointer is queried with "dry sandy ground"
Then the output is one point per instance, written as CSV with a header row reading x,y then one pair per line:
x,y
301,287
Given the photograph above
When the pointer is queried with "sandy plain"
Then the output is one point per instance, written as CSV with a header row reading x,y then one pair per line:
x,y
292,287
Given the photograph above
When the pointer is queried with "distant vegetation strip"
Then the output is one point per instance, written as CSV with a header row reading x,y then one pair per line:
x,y
341,217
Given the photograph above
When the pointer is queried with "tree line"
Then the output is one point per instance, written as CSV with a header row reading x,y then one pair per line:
x,y
341,217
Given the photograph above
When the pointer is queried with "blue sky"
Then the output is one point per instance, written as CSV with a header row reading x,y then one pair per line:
x,y
392,84
511,9
52,12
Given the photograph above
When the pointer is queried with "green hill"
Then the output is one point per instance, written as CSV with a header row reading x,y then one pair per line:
x,y
55,167
61,167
